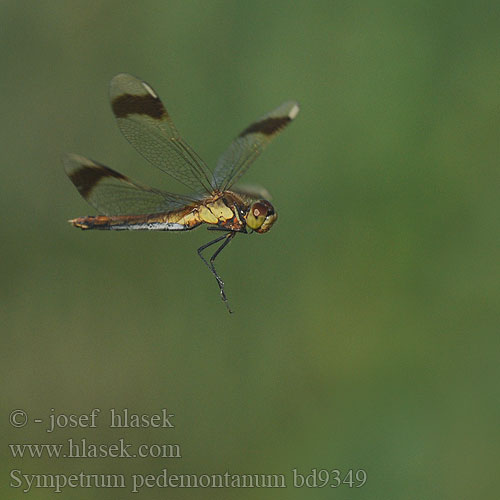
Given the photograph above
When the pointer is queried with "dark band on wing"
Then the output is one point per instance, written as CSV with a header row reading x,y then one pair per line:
x,y
129,104
86,178
269,126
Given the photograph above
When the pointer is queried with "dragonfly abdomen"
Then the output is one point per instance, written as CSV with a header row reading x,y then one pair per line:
x,y
136,223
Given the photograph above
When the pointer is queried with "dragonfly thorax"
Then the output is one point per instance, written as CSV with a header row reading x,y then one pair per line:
x,y
261,216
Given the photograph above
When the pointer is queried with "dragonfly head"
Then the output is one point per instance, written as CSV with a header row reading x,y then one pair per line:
x,y
261,216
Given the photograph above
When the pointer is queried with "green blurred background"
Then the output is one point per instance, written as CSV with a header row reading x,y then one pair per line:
x,y
365,333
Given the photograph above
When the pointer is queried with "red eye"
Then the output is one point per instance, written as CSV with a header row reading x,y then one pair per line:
x,y
262,209
259,210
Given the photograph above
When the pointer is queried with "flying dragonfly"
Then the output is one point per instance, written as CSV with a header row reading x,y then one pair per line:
x,y
127,205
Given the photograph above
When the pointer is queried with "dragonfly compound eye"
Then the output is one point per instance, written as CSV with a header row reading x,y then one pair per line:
x,y
261,216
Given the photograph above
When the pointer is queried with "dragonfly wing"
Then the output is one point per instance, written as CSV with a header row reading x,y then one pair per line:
x,y
145,122
252,191
250,143
112,193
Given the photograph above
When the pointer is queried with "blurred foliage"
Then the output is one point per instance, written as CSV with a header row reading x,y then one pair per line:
x,y
366,325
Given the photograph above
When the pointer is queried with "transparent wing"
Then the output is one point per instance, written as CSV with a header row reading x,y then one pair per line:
x,y
145,122
112,193
250,143
252,191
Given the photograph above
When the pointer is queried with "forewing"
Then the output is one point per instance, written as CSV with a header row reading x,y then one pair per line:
x,y
145,122
252,191
112,193
250,143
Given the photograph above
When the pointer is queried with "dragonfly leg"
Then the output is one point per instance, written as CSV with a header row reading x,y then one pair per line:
x,y
227,238
206,245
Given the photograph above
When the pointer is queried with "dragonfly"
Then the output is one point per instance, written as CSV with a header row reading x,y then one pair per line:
x,y
213,198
